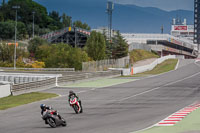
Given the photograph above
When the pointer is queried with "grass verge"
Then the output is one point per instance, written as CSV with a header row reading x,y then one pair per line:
x,y
139,54
166,66
189,124
13,101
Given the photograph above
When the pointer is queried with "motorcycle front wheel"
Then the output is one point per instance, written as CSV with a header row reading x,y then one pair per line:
x,y
75,108
51,122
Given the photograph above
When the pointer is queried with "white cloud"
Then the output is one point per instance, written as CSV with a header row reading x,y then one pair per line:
x,y
162,4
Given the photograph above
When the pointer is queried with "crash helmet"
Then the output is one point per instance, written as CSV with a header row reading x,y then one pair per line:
x,y
42,106
71,92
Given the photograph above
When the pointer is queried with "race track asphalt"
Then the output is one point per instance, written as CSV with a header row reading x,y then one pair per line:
x,y
121,108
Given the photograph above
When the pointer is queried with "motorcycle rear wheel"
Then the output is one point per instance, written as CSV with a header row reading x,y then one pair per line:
x,y
64,123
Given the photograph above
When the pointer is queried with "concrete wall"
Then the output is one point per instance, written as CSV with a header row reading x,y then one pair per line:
x,y
133,46
152,65
124,71
5,90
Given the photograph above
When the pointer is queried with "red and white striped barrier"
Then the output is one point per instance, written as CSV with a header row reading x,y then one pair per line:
x,y
197,60
178,116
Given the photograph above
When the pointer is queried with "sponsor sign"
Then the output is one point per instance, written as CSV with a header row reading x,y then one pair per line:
x,y
183,28
180,28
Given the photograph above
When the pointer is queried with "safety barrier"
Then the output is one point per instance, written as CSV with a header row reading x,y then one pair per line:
x,y
105,64
33,86
53,82
151,66
78,77
19,78
5,89
38,69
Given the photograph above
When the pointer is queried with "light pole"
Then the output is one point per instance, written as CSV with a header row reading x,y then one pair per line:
x,y
15,7
33,24
70,21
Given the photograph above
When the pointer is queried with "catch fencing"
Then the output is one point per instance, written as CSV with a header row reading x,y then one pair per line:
x,y
103,65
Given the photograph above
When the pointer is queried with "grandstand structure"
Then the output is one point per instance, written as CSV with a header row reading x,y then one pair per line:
x,y
164,44
73,36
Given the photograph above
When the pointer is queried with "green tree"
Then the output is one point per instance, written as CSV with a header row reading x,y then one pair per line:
x,y
108,46
3,3
21,30
1,16
79,24
7,52
61,56
96,46
119,47
30,29
25,12
77,56
43,52
34,44
66,20
8,30
56,21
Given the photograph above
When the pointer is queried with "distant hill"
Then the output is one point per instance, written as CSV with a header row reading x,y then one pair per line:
x,y
126,18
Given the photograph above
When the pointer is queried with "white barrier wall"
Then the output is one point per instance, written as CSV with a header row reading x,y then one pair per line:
x,y
152,65
5,90
124,71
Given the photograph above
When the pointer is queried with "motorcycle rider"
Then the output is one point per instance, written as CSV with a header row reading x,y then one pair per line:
x,y
71,93
45,108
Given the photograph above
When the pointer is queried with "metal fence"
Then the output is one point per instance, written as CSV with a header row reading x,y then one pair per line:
x,y
103,65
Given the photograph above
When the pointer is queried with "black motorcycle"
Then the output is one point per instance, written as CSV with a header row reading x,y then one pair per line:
x,y
51,117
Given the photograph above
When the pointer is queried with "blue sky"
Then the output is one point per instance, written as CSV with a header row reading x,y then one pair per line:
x,y
167,5
162,4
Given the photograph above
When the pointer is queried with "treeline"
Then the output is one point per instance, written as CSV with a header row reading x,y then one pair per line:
x,y
44,22
39,53
63,55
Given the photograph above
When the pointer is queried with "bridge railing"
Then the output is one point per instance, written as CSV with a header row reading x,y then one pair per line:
x,y
57,33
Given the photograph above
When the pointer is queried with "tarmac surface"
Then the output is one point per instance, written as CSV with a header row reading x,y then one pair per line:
x,y
120,108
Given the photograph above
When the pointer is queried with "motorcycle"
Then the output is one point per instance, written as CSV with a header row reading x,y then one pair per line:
x,y
74,103
51,118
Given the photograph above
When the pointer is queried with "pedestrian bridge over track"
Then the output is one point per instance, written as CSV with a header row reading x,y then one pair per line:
x,y
70,35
